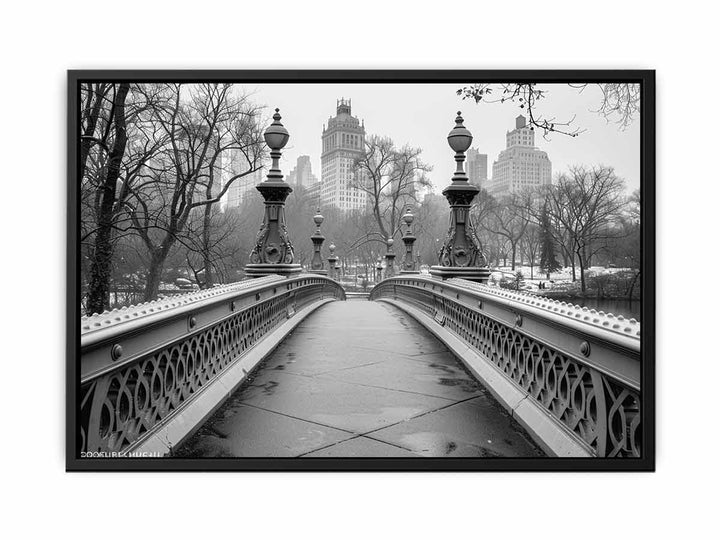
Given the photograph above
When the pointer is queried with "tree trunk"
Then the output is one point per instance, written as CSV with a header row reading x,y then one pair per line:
x,y
632,285
514,249
581,263
207,260
96,96
152,284
101,267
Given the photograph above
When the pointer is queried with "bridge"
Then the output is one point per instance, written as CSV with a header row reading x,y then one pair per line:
x,y
285,363
288,366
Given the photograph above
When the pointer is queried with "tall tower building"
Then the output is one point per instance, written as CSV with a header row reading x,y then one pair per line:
x,y
343,141
302,174
521,165
477,167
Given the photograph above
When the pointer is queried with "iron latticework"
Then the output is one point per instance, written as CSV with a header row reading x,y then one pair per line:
x,y
578,365
143,365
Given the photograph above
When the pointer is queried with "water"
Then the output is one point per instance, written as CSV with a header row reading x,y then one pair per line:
x,y
627,308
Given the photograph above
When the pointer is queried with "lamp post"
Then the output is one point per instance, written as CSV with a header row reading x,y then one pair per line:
x,y
332,260
408,262
273,251
461,255
317,265
378,270
389,259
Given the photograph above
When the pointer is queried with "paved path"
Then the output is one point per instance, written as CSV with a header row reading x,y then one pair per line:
x,y
360,379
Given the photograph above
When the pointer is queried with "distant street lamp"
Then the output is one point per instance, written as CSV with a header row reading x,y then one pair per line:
x,y
389,259
273,251
408,263
461,255
317,264
332,261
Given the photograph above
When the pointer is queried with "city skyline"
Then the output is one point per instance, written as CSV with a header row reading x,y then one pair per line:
x,y
422,115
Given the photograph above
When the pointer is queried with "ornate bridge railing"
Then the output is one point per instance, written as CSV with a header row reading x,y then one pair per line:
x,y
571,375
140,366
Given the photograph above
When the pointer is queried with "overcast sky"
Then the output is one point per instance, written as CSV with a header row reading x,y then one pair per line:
x,y
422,115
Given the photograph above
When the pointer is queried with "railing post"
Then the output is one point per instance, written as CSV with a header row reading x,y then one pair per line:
x,y
317,265
461,255
408,262
273,251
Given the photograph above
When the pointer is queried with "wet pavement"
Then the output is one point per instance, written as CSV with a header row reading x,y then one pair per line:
x,y
360,379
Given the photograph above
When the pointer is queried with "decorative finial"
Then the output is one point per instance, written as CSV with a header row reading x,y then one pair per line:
x,y
276,136
318,218
459,137
408,218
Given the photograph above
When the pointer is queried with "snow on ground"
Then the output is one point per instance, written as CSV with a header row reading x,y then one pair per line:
x,y
564,275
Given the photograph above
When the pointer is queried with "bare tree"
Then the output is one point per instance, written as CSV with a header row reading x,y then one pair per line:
x,y
96,118
509,217
530,244
200,122
116,144
431,227
620,102
587,202
98,292
391,177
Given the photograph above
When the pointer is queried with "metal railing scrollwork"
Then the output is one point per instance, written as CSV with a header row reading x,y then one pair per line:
x,y
580,366
141,365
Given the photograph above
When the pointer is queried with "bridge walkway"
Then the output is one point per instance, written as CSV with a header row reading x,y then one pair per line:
x,y
360,379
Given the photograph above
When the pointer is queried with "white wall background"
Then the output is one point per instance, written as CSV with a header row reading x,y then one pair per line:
x,y
41,40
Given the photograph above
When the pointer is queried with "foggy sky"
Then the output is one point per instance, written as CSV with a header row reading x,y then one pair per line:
x,y
422,115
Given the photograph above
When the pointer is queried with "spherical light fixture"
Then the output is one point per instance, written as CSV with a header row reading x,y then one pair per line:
x,y
276,136
459,137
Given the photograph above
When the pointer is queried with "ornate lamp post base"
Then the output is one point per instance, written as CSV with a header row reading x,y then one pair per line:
x,y
408,265
259,270
316,265
273,251
461,255
481,275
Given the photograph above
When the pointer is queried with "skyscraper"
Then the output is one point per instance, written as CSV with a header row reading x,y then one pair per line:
x,y
521,165
302,174
477,167
343,141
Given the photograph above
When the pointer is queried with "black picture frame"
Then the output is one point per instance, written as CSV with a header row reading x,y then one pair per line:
x,y
646,79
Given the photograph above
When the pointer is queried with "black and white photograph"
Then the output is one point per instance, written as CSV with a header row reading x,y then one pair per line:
x,y
361,270
367,270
